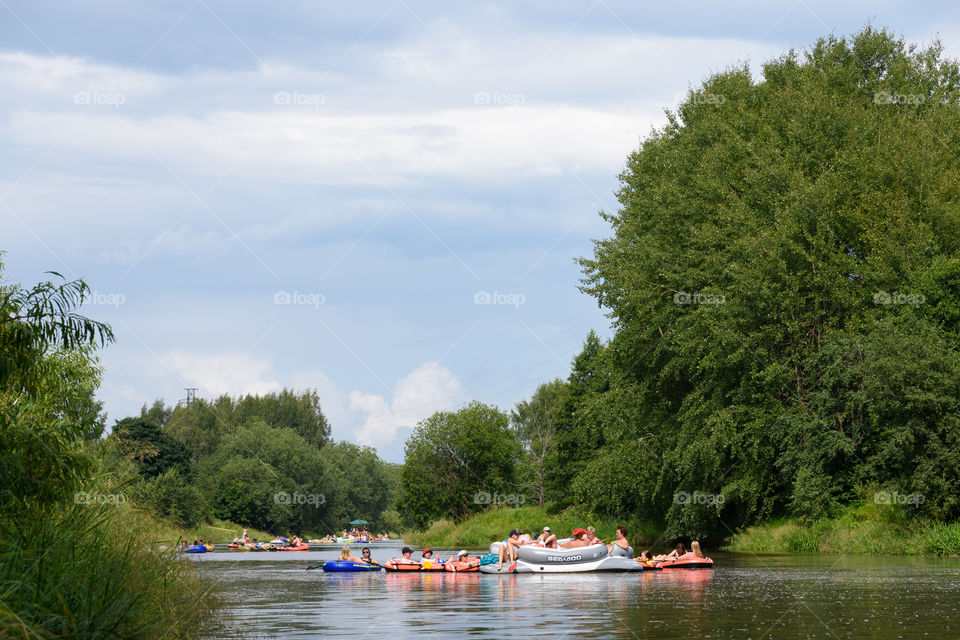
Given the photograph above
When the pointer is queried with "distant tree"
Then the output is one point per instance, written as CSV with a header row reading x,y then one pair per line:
x,y
158,412
154,450
536,421
455,460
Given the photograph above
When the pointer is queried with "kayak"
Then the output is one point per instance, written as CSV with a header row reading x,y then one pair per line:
x,y
690,563
301,547
458,566
196,548
335,566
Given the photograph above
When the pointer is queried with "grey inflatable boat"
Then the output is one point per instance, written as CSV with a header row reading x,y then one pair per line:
x,y
534,559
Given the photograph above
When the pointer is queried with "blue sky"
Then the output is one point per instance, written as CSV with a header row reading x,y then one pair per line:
x,y
381,201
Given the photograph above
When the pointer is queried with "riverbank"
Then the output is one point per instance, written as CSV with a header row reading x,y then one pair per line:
x,y
862,529
479,530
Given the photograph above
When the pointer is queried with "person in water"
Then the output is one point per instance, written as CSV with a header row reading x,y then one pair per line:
x,y
645,557
620,547
579,540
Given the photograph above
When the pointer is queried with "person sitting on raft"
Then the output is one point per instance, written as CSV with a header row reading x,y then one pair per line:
x,y
365,556
579,540
508,548
427,556
620,547
406,559
295,541
547,539
591,536
463,556
694,554
346,557
673,555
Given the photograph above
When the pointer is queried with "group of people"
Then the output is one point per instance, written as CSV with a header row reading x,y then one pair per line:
x,y
507,550
245,540
585,538
679,553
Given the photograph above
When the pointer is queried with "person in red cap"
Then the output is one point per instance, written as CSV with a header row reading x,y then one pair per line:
x,y
579,540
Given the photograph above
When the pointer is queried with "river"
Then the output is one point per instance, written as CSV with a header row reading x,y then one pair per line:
x,y
743,596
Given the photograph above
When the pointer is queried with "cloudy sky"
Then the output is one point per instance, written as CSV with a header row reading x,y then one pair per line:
x,y
382,201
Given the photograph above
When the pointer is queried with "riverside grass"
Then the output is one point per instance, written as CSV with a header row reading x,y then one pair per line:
x,y
86,571
864,528
479,530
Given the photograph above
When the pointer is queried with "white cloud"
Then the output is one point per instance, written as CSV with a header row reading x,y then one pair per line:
x,y
429,388
216,374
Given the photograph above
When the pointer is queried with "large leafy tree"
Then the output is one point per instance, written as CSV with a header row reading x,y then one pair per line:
x,y
456,459
785,250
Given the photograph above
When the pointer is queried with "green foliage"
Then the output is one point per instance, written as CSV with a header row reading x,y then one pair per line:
x,y
174,497
782,278
536,423
245,490
42,460
35,321
154,450
451,458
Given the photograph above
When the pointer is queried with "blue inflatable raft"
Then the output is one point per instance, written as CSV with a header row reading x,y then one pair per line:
x,y
343,565
196,548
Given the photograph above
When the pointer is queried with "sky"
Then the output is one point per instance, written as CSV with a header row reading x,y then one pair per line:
x,y
381,201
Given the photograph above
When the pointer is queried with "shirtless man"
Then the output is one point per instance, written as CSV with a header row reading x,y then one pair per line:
x,y
579,540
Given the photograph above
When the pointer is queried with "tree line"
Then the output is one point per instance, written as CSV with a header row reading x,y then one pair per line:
x,y
266,461
783,279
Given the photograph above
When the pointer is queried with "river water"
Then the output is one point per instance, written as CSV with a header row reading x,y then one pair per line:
x,y
743,596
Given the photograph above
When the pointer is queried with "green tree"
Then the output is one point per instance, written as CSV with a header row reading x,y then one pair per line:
x,y
536,422
775,247
454,457
154,450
